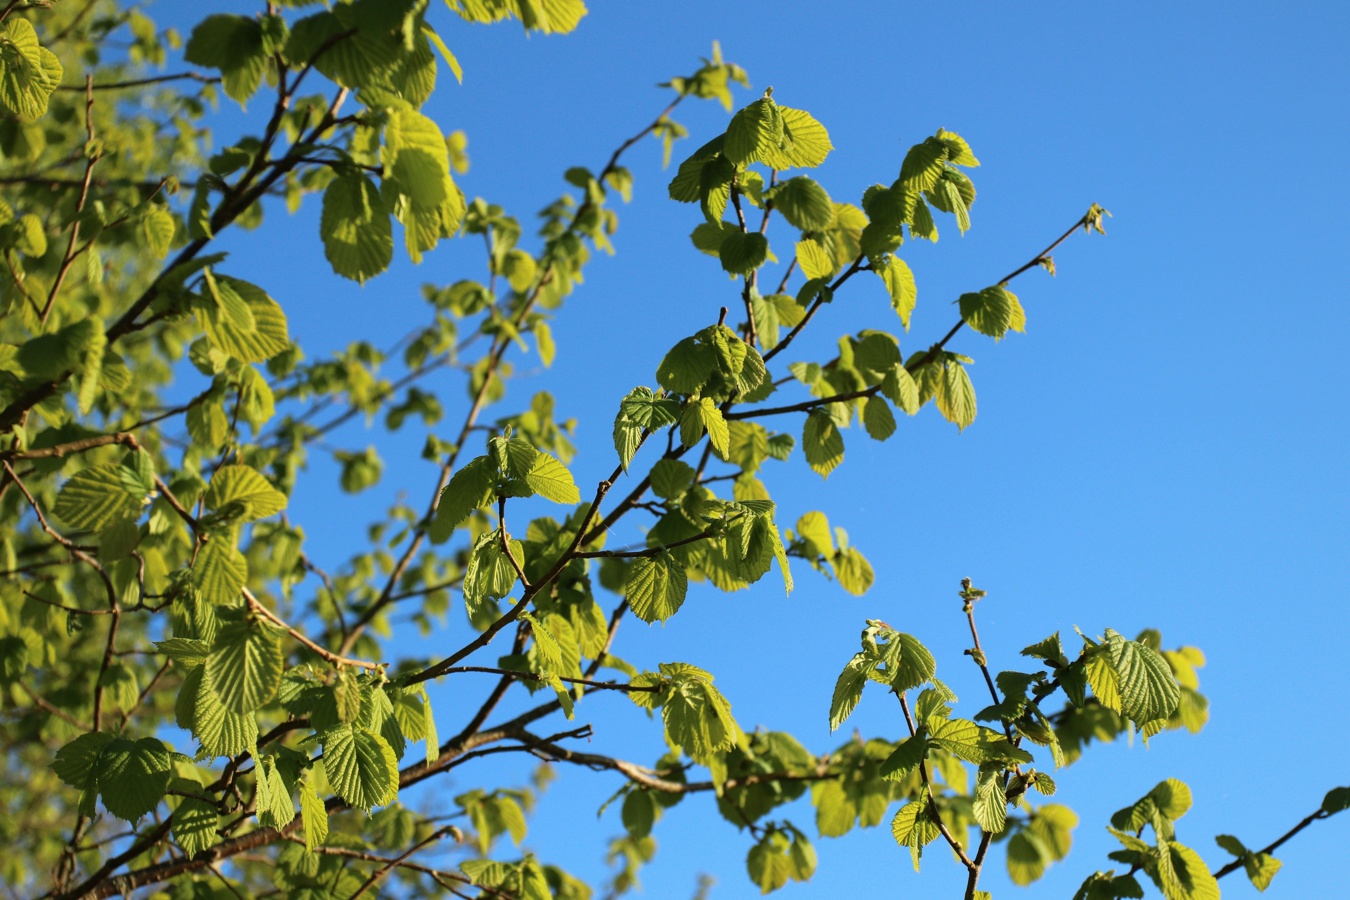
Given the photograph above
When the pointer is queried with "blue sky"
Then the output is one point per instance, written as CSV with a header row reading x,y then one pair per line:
x,y
1164,447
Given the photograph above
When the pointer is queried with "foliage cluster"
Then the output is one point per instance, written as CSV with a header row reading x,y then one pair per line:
x,y
193,706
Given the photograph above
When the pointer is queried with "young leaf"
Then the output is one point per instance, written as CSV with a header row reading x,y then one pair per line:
x,y
242,490
899,281
993,311
357,236
469,488
822,443
313,815
656,587
550,478
1148,690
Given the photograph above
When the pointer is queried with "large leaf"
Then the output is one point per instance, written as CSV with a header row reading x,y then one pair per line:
x,y
361,766
221,731
550,478
243,490
804,203
357,235
822,443
955,395
993,311
469,488
900,285
28,72
1148,690
805,142
656,587
96,497
220,570
242,321
133,777
195,824
848,690
415,155
234,45
245,665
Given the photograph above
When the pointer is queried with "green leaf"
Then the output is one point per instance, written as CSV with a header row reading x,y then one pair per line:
x,y
28,72
822,443
79,762
1027,860
245,665
804,204
908,662
489,574
687,366
990,807
244,491
415,155
94,498
234,45
471,487
923,165
993,311
848,689
899,281
1148,690
1336,800
313,815
671,478
705,416
242,321
853,571
912,827
709,236
904,759
550,478
753,131
696,715
742,252
814,261
133,776
342,50
955,395
221,731
900,388
805,142
878,419
120,690
361,766
194,826
357,235
1261,868
656,587
220,571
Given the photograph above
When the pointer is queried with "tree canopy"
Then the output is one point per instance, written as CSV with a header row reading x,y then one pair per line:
x,y
194,707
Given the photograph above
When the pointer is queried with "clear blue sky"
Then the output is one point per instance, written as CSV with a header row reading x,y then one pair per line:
x,y
1166,446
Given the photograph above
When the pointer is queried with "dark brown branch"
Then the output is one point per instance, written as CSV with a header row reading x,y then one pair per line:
x,y
532,676
1275,844
933,812
139,82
